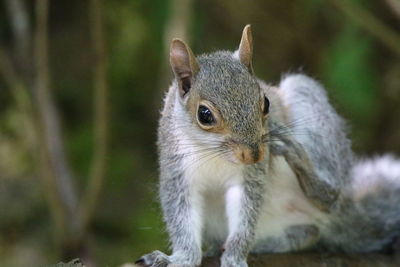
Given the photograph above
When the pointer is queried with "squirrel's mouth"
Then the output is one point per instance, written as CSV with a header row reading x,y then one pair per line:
x,y
248,154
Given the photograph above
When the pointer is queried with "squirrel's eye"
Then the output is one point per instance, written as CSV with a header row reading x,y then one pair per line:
x,y
266,105
205,116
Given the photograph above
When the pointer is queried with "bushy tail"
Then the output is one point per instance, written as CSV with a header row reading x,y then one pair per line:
x,y
376,190
369,216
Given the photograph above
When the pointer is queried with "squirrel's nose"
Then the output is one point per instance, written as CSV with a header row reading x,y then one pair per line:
x,y
249,154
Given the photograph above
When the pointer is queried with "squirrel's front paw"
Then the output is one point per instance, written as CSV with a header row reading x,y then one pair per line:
x,y
159,259
154,259
228,261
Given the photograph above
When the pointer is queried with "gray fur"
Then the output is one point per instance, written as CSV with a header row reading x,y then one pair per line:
x,y
297,237
302,236
355,225
321,193
312,140
239,245
318,129
174,193
228,84
368,218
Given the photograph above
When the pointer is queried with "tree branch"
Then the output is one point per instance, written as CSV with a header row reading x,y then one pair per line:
x,y
177,26
21,97
100,149
21,29
24,103
58,178
371,24
7,70
395,6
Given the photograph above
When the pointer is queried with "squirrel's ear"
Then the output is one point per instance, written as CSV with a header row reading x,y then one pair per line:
x,y
184,65
246,48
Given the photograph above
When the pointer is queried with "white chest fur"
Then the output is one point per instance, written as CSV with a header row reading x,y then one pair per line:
x,y
209,177
211,180
285,203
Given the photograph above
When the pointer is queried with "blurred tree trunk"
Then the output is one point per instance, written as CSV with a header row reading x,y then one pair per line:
x,y
16,65
100,148
56,172
22,42
370,23
179,23
30,68
394,6
177,26
72,220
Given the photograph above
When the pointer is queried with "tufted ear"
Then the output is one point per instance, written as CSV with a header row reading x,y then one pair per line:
x,y
246,48
184,65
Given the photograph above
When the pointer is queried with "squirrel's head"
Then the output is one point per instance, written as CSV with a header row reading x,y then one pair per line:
x,y
223,98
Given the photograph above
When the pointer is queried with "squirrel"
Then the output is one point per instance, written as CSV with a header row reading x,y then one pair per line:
x,y
246,167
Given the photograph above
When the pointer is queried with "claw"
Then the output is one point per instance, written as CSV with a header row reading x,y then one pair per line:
x,y
140,262
153,259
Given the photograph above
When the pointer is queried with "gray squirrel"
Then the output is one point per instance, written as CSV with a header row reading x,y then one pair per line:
x,y
246,167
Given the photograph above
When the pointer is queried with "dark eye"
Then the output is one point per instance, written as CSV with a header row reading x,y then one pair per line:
x,y
205,116
266,105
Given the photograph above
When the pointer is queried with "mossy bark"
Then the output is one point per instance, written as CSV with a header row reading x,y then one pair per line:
x,y
296,260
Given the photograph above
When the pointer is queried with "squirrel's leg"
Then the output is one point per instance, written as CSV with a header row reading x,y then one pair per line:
x,y
315,125
242,205
322,194
182,214
294,238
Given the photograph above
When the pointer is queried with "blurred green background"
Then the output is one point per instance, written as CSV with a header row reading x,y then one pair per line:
x,y
115,54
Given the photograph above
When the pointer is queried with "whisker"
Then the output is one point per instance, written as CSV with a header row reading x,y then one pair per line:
x,y
210,157
277,130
